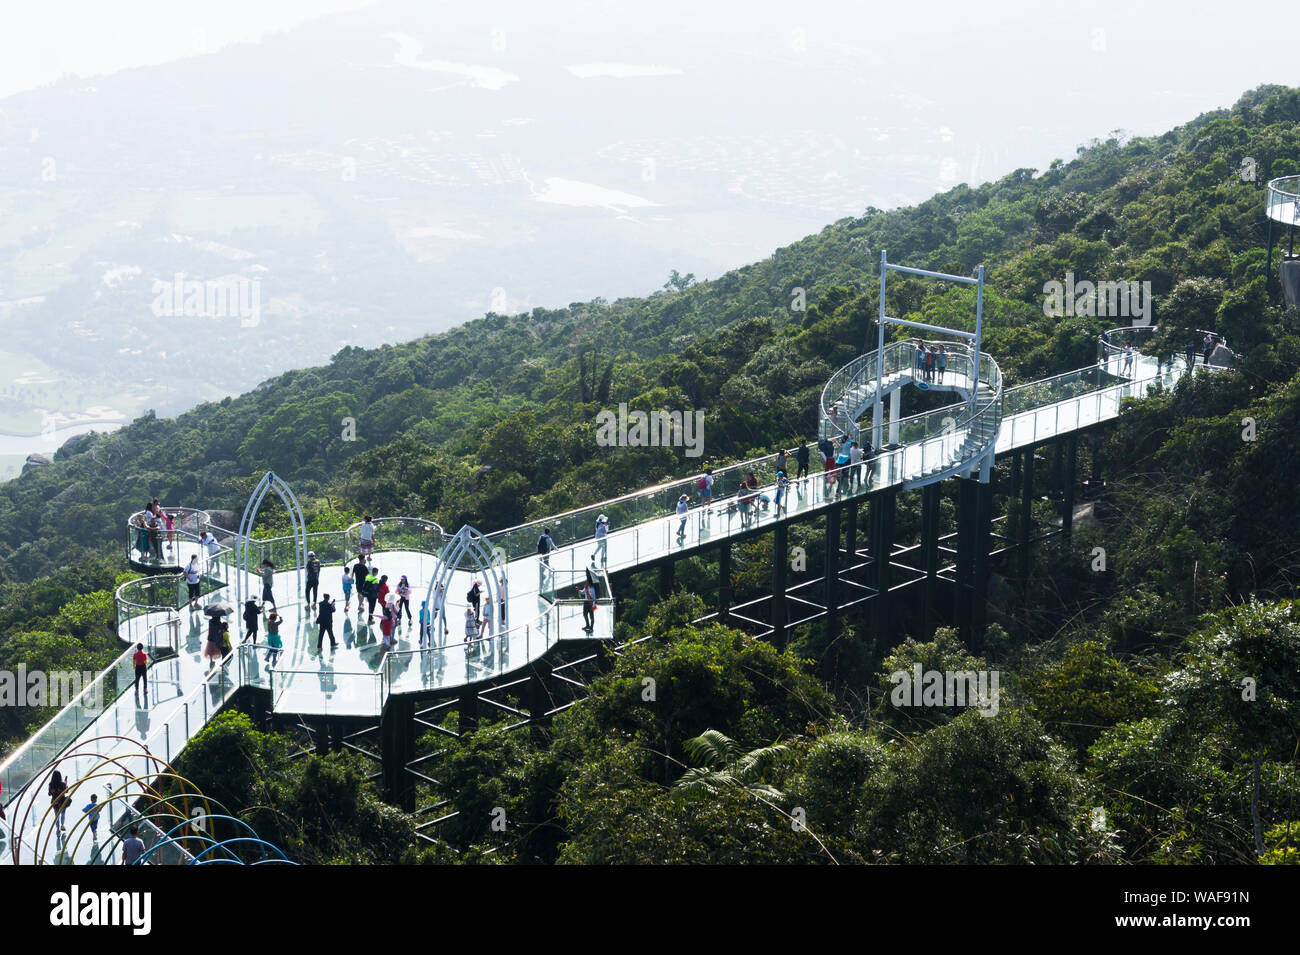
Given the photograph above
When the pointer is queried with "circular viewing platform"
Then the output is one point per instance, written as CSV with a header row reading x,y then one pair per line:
x,y
1283,203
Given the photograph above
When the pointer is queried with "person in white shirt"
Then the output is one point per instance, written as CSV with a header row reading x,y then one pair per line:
x,y
192,577
683,505
439,611
602,531
367,537
471,625
209,541
855,463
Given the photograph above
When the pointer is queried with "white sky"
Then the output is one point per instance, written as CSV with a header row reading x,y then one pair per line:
x,y
40,40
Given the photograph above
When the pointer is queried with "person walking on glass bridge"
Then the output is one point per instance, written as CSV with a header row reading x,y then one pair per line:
x,y
941,362
602,533
780,463
367,537
545,545
842,459
325,621
1190,351
439,612
426,631
782,489
404,600
502,599
252,614
801,457
1128,359
268,578
683,505
372,593
588,591
192,577
311,591
141,661
827,450
705,486
347,588
209,542
273,641
920,358
471,627
855,464
475,598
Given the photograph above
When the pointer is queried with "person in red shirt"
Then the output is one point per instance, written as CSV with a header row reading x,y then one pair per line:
x,y
141,661
382,592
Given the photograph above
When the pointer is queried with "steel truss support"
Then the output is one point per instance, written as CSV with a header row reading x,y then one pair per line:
x,y
780,566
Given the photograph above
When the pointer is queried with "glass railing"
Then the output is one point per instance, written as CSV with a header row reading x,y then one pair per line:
x,y
22,765
188,525
400,533
326,691
167,737
1283,202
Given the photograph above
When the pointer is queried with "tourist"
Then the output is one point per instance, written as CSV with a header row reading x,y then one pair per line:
x,y
471,627
141,661
273,641
780,462
386,625
252,612
212,649
404,600
855,463
501,597
268,578
920,357
372,593
1190,351
801,457
439,611
869,457
367,537
545,545
192,578
683,505
426,632
210,544
782,489
311,592
942,362
169,523
141,535
155,539
347,588
475,597
842,459
59,798
602,532
1207,347
588,591
91,810
133,847
827,450
705,486
325,620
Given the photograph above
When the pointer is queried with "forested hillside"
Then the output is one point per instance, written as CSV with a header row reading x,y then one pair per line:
x,y
1117,738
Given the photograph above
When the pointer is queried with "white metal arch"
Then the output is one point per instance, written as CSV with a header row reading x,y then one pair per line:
x,y
468,543
243,543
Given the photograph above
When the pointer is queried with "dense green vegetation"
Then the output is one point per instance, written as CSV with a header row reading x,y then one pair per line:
x,y
1124,732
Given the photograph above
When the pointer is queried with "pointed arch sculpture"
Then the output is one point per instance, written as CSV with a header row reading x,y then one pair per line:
x,y
243,543
468,544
